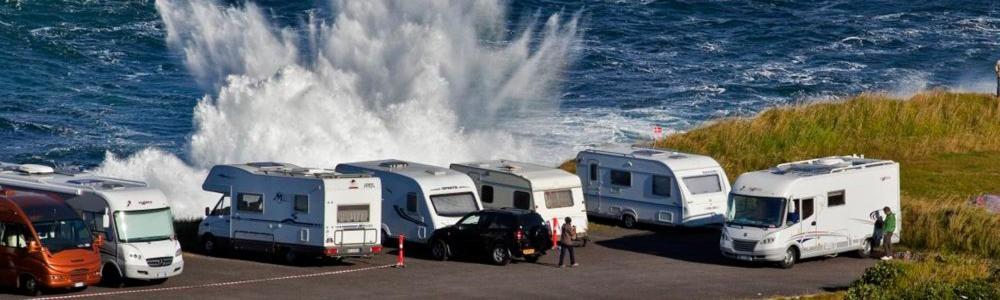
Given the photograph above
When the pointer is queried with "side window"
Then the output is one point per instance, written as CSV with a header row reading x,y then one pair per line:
x,y
472,219
593,172
522,200
302,203
486,193
222,207
807,208
411,202
621,178
661,186
13,236
835,199
250,202
793,217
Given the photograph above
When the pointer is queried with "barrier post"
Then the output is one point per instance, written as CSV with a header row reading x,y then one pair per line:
x,y
555,232
399,259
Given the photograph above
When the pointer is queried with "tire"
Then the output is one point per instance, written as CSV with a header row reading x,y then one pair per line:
x,y
791,255
440,250
500,255
866,249
29,286
628,221
210,245
532,258
289,256
111,277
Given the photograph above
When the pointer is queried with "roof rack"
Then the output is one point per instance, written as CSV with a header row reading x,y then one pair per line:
x,y
652,151
828,165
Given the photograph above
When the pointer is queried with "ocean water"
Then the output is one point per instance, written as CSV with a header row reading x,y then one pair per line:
x,y
162,90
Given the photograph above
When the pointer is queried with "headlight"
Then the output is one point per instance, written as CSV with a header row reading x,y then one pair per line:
x,y
135,256
178,254
767,240
57,277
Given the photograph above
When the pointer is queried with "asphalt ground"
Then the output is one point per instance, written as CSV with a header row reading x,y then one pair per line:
x,y
617,263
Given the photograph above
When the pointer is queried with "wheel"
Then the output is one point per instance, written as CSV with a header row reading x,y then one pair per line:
x,y
628,221
532,258
209,244
500,255
866,249
289,256
111,277
440,250
791,255
29,286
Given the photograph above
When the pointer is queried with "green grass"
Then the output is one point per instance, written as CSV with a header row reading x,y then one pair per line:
x,y
934,276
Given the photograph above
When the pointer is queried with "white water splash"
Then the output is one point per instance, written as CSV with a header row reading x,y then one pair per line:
x,y
421,80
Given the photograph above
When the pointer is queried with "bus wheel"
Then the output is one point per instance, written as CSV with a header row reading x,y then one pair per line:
x,y
29,286
628,221
791,255
210,245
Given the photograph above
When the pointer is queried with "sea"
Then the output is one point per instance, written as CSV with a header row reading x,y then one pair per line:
x,y
160,91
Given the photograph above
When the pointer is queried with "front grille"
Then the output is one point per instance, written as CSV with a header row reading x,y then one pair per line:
x,y
160,261
747,246
78,275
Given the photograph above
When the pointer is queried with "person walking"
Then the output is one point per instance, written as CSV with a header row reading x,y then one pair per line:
x,y
888,229
878,229
566,243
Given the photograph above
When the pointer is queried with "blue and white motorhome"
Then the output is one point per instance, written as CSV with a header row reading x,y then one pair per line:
x,y
134,219
418,199
654,186
809,208
295,212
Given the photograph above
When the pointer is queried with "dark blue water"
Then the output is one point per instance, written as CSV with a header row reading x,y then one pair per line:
x,y
82,78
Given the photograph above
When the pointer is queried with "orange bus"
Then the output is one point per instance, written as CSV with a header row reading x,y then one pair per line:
x,y
44,244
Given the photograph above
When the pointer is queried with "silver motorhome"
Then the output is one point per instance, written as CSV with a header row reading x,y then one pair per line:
x,y
653,186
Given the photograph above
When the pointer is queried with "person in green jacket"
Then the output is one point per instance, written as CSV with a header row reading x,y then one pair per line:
x,y
889,229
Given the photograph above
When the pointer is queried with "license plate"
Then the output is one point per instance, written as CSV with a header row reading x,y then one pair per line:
x,y
78,284
528,251
353,250
161,275
743,257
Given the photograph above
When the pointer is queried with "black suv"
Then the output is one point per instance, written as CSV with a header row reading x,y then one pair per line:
x,y
498,234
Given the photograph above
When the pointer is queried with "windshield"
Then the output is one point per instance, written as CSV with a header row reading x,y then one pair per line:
x,y
755,211
454,205
144,225
59,235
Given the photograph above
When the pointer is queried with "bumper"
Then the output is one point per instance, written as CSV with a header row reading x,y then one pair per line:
x,y
145,272
64,281
363,250
768,255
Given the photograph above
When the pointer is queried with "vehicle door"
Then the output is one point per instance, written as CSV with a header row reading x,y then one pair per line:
x,y
466,234
8,271
99,222
218,220
810,238
592,186
14,245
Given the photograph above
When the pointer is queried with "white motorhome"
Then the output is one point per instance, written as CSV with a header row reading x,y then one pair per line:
x,y
295,212
134,218
809,208
418,199
551,192
653,186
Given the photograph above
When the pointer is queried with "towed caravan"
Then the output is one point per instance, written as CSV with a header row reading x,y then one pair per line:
x,y
653,186
418,199
551,192
296,212
133,218
809,208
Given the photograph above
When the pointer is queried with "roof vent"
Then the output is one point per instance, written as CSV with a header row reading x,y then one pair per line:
x,y
112,186
265,164
830,161
35,169
435,172
394,164
509,167
647,152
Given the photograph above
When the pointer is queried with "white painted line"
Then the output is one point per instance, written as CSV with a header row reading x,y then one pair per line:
x,y
218,284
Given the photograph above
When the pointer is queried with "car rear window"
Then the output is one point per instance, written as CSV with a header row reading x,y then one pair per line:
x,y
529,220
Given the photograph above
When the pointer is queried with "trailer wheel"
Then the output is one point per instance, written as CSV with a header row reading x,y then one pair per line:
x,y
29,286
791,255
290,256
866,249
500,255
628,221
440,250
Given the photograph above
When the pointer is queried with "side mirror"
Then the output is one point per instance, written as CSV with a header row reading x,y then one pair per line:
x,y
208,211
106,221
99,241
33,247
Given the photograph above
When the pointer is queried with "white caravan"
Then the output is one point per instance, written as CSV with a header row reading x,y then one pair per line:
x,y
551,192
134,219
418,199
809,208
295,212
653,186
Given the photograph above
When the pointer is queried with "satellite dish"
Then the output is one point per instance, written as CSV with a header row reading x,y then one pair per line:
x,y
36,169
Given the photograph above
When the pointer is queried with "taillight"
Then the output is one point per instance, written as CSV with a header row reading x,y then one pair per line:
x,y
330,251
519,235
377,249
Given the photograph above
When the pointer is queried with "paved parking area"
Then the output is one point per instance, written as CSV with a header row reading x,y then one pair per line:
x,y
663,263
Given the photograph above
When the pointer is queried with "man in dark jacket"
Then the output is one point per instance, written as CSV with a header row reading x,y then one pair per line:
x,y
566,243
